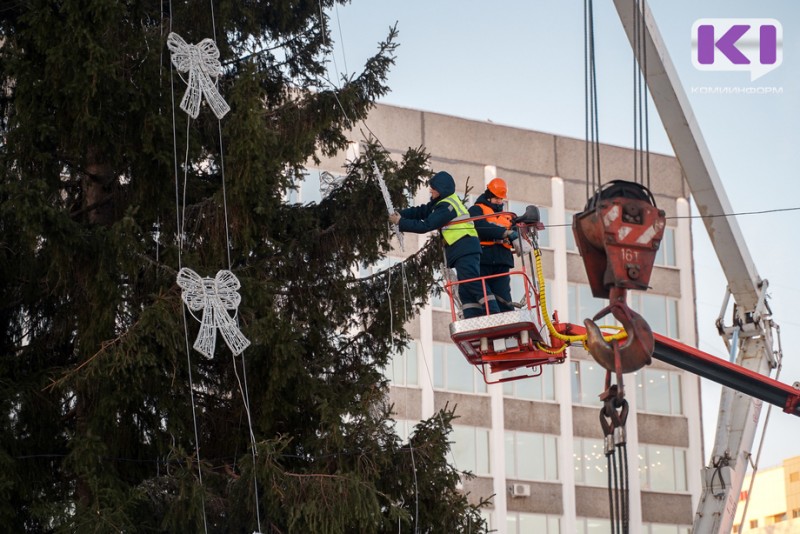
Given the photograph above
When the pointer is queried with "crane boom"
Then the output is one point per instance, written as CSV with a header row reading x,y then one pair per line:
x,y
750,337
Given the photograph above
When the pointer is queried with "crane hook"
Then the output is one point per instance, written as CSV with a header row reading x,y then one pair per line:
x,y
637,350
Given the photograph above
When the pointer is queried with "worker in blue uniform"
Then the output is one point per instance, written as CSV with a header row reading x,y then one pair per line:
x,y
462,248
495,234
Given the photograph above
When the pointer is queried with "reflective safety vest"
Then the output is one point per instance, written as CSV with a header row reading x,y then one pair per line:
x,y
500,220
454,232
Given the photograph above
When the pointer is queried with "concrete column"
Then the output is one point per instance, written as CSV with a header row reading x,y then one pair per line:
x,y
489,174
684,261
498,457
632,434
426,361
559,301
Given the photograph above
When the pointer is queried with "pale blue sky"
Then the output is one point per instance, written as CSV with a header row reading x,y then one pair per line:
x,y
520,63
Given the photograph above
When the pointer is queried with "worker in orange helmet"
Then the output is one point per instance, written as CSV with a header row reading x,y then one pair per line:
x,y
495,234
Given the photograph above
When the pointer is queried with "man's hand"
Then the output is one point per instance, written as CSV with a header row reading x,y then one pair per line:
x,y
394,218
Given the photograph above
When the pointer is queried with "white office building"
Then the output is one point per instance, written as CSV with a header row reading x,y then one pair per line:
x,y
537,444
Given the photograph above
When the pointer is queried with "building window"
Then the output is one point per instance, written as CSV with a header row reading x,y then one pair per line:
x,y
518,286
365,270
488,516
518,207
470,448
442,300
592,525
754,523
517,281
666,252
794,477
452,372
541,388
660,312
310,186
402,369
522,523
588,381
662,468
603,526
572,245
795,513
777,518
589,459
583,305
659,391
403,428
743,495
531,456
660,528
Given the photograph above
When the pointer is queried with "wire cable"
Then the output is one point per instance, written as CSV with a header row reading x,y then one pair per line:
x,y
180,222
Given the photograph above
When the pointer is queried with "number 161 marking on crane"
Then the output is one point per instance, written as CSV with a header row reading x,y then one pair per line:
x,y
630,255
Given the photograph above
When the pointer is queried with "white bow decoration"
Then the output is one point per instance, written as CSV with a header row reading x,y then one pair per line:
x,y
214,296
201,61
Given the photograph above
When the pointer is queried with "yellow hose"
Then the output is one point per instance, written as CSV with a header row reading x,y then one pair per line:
x,y
548,350
543,304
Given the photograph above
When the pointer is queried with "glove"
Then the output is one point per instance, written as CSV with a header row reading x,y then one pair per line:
x,y
521,247
512,235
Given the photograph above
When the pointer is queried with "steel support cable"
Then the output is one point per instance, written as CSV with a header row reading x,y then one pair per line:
x,y
591,121
641,123
610,495
595,111
635,82
586,93
613,416
625,488
617,482
646,102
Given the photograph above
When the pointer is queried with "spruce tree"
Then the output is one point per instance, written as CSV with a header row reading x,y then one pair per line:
x,y
98,417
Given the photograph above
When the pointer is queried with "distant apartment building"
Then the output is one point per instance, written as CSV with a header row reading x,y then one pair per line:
x,y
773,503
536,444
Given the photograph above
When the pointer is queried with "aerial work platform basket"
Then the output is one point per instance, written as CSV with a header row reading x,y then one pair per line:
x,y
516,340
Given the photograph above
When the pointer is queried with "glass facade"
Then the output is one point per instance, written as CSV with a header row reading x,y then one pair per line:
x,y
659,391
662,468
403,369
470,448
541,388
524,523
588,382
531,456
452,372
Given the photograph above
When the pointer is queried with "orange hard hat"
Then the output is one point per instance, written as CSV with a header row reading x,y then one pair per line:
x,y
498,188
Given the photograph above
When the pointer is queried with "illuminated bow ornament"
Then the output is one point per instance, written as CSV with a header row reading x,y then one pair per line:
x,y
214,296
388,201
201,61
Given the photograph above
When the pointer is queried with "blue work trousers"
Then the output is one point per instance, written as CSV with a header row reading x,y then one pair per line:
x,y
471,293
500,286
